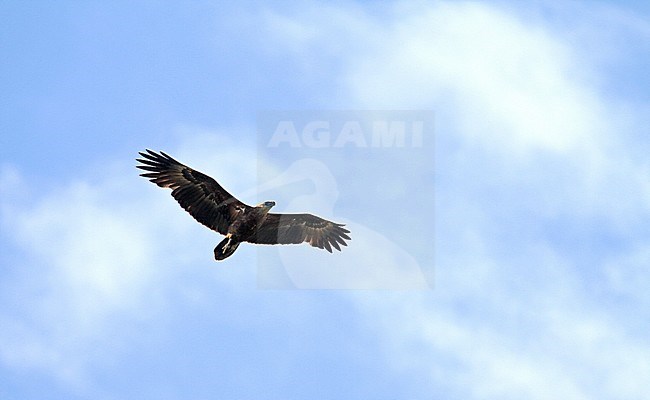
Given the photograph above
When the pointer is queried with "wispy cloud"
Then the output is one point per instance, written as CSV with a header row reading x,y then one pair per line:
x,y
84,265
530,156
96,256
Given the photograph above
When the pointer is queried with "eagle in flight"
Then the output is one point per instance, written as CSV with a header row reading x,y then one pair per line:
x,y
214,207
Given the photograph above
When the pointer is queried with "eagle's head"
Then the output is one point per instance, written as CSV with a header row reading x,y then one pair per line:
x,y
266,205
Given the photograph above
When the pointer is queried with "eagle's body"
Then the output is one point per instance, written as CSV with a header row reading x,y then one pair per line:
x,y
214,207
246,223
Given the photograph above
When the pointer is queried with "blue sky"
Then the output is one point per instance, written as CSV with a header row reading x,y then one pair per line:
x,y
513,263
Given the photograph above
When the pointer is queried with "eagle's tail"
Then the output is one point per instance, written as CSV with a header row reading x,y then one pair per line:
x,y
225,248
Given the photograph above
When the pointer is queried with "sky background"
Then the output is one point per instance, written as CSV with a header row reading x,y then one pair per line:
x,y
519,269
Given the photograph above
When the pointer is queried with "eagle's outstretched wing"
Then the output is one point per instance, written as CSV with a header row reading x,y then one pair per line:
x,y
298,228
197,193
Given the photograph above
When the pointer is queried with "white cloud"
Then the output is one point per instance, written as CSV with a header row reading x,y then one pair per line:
x,y
84,261
512,85
101,255
509,338
629,276
528,141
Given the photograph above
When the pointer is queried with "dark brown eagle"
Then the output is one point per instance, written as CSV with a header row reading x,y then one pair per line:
x,y
214,207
